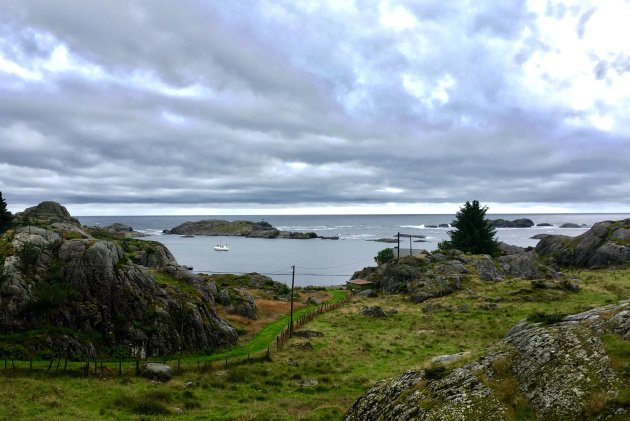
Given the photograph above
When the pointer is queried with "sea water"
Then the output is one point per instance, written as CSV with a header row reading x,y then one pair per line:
x,y
325,262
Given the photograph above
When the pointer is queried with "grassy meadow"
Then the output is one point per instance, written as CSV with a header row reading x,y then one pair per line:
x,y
311,384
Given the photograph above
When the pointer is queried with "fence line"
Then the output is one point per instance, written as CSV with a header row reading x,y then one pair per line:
x,y
94,366
285,335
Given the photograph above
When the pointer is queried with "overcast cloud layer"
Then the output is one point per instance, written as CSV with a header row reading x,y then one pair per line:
x,y
283,106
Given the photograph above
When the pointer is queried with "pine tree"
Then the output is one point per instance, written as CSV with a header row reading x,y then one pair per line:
x,y
5,216
472,231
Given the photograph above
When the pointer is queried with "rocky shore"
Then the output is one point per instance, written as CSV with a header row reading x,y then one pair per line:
x,y
101,292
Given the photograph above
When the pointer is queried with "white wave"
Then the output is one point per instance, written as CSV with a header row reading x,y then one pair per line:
x,y
419,227
301,228
355,236
150,231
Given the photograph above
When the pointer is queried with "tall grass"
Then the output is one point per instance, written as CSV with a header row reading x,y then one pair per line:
x,y
354,353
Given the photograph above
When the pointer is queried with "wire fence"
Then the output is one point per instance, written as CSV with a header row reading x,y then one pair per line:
x,y
104,367
287,333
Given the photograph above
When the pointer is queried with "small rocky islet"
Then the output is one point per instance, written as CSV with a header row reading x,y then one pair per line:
x,y
528,223
239,228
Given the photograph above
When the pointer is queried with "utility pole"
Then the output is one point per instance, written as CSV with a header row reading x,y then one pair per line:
x,y
291,317
398,235
410,248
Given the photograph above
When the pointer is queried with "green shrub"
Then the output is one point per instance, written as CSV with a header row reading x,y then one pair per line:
x,y
384,256
28,254
436,372
546,318
148,403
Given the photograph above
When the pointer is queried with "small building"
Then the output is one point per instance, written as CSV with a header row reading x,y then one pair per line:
x,y
359,284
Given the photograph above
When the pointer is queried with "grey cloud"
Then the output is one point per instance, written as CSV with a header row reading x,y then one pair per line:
x,y
274,124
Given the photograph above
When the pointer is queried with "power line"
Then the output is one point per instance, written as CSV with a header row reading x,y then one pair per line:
x,y
330,267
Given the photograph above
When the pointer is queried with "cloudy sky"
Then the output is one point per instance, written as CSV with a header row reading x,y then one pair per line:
x,y
278,106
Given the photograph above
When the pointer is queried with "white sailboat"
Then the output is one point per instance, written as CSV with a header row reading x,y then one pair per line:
x,y
222,247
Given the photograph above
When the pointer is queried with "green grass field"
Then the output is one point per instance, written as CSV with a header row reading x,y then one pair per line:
x,y
319,384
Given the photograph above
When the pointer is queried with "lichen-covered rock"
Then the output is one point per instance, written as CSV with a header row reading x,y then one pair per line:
x,y
151,254
124,291
487,270
555,370
375,311
367,293
606,243
434,275
91,287
421,277
118,227
157,371
240,302
461,395
313,301
524,266
508,249
49,211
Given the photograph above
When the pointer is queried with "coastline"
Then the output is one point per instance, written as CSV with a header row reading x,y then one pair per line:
x,y
318,262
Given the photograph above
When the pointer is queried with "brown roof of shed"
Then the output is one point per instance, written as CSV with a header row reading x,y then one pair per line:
x,y
359,282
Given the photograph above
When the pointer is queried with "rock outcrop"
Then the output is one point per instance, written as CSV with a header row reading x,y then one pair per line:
x,y
151,254
94,288
240,228
420,277
606,243
556,371
434,275
507,249
238,301
51,212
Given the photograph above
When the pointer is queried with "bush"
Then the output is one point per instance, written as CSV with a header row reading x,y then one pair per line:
x,y
28,254
436,372
384,256
148,403
546,318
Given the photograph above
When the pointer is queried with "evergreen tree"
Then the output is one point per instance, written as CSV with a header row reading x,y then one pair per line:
x,y
5,215
472,231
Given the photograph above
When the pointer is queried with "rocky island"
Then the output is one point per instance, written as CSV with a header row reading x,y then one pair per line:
x,y
240,228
